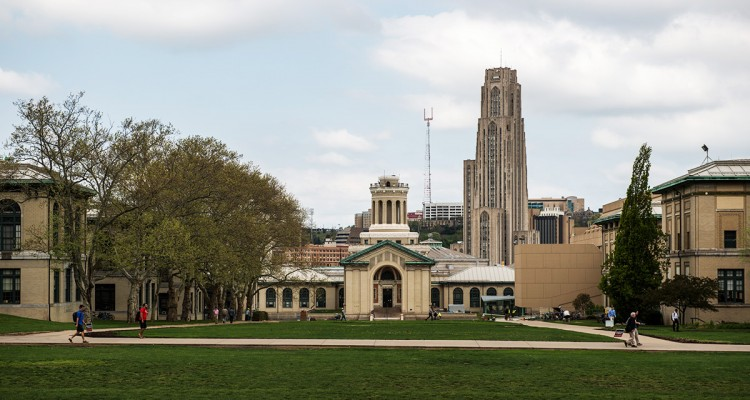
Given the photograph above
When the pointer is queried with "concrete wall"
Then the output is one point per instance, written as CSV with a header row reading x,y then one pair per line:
x,y
553,275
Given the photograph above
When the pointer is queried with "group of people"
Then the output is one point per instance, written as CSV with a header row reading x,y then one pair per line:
x,y
228,314
433,314
79,319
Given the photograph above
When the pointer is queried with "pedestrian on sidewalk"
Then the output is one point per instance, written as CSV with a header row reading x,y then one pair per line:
x,y
675,320
232,314
631,328
216,315
144,317
80,317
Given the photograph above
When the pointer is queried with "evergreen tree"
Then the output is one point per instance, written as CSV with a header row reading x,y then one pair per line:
x,y
634,268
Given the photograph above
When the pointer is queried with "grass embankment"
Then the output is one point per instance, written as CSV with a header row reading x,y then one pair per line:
x,y
10,325
123,372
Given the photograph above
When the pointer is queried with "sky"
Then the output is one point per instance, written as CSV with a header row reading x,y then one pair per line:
x,y
329,95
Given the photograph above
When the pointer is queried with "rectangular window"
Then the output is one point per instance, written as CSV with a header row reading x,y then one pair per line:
x,y
730,239
686,267
56,290
677,268
731,286
104,297
10,286
68,283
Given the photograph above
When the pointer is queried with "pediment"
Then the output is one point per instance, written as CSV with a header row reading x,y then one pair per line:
x,y
387,249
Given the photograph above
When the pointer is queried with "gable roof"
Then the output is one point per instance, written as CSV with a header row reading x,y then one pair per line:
x,y
355,259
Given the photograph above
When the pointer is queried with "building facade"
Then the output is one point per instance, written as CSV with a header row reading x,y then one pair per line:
x,y
706,215
495,190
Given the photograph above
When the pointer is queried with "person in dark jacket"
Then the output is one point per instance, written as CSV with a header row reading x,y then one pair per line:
x,y
631,328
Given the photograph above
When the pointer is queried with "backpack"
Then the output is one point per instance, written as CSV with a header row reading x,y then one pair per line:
x,y
138,316
75,316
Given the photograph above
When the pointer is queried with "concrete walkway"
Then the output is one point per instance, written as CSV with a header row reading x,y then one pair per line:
x,y
649,343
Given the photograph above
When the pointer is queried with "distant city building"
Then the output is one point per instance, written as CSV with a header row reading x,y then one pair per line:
x,y
554,226
442,211
495,189
363,220
327,255
414,216
570,204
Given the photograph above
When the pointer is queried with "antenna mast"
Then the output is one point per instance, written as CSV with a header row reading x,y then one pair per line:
x,y
427,172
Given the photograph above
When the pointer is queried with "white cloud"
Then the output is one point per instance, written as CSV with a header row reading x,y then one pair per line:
x,y
331,158
25,83
185,22
448,112
342,139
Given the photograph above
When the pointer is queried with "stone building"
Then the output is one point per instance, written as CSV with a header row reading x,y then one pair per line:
x,y
495,191
706,216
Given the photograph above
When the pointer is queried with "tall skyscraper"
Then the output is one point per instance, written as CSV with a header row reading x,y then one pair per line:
x,y
495,191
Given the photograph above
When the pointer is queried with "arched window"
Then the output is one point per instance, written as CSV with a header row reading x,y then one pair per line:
x,y
286,297
10,225
458,296
495,102
304,298
508,291
341,297
491,292
387,275
474,297
270,298
320,298
435,297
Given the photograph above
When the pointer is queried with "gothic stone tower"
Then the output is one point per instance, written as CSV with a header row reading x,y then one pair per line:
x,y
495,191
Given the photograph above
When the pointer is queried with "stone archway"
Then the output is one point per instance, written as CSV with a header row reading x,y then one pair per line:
x,y
387,295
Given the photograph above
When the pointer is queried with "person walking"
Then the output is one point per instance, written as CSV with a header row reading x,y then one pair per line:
x,y
612,314
631,328
144,317
224,315
216,315
80,317
675,320
232,314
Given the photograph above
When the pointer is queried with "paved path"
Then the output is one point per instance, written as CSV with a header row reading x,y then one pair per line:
x,y
649,343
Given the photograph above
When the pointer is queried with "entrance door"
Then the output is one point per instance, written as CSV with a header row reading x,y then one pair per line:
x,y
387,297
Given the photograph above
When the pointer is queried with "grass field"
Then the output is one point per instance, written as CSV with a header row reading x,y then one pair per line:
x,y
123,372
393,330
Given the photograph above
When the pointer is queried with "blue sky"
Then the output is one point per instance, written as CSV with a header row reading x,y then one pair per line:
x,y
328,95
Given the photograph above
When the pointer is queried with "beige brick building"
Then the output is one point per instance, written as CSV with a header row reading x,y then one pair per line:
x,y
706,215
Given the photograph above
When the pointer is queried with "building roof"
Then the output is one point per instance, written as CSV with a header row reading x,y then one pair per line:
x,y
495,274
419,258
293,274
727,170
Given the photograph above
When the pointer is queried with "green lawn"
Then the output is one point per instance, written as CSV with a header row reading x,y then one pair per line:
x,y
394,330
169,372
10,324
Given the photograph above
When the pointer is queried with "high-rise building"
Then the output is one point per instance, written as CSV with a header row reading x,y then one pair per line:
x,y
495,191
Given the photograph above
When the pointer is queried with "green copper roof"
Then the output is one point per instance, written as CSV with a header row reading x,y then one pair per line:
x,y
728,170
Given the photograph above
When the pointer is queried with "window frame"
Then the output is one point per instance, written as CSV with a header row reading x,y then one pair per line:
x,y
271,298
10,277
474,297
287,298
458,296
734,278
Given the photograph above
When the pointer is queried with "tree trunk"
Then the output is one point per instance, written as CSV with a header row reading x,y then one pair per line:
x,y
173,296
187,304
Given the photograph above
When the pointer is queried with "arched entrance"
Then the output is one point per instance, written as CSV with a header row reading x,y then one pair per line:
x,y
387,297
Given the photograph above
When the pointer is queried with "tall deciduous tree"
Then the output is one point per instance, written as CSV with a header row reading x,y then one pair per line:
x,y
635,266
87,161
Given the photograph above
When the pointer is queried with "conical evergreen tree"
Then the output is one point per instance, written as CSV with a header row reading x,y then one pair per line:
x,y
634,268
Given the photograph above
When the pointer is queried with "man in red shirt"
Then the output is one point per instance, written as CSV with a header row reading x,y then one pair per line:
x,y
144,318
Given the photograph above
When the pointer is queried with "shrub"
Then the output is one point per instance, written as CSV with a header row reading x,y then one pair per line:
x,y
260,316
